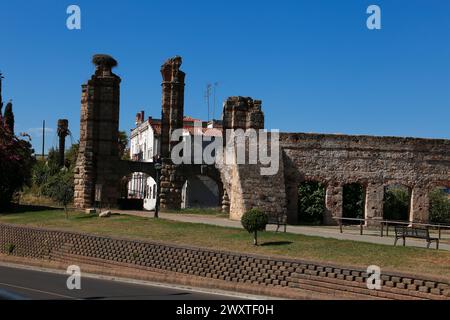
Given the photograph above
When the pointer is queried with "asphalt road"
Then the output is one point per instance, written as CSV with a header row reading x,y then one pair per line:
x,y
17,283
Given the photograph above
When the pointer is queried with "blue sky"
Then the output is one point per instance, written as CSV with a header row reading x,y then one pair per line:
x,y
314,63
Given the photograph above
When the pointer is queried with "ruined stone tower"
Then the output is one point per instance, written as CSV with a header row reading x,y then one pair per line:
x,y
98,157
171,119
242,113
172,102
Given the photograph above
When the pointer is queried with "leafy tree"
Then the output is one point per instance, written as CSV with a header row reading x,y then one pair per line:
x,y
396,204
8,118
311,206
16,161
353,201
253,221
439,207
61,189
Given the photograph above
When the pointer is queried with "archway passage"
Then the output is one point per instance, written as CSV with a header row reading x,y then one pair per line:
x,y
440,205
200,191
311,203
353,202
137,192
397,203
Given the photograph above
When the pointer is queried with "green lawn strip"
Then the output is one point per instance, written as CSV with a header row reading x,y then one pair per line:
x,y
343,252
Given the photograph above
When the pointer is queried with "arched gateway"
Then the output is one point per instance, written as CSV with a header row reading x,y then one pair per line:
x,y
99,169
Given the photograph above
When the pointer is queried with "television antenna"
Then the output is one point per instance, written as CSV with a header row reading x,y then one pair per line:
x,y
208,92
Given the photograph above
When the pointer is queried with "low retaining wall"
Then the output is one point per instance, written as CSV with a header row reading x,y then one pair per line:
x,y
275,272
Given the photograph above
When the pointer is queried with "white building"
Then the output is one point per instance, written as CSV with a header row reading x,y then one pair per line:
x,y
145,147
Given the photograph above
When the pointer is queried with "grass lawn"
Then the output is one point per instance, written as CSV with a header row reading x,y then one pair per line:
x,y
406,259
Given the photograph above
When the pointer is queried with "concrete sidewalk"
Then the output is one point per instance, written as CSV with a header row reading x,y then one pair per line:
x,y
350,233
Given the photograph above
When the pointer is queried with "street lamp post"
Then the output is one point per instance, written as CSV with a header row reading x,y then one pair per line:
x,y
158,167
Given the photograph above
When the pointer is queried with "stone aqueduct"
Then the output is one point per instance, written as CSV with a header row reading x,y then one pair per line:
x,y
333,160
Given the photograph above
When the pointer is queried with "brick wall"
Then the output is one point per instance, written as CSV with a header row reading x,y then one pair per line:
x,y
274,272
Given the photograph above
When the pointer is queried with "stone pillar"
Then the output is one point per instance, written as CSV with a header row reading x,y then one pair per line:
x,y
172,102
334,202
172,115
420,205
172,182
98,156
63,132
374,201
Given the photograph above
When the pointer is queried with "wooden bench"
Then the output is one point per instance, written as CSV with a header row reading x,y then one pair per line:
x,y
278,220
403,232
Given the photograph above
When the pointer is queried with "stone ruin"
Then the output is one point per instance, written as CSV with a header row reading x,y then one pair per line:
x,y
333,160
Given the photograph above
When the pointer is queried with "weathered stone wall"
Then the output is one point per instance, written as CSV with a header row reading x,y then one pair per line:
x,y
273,272
374,162
245,187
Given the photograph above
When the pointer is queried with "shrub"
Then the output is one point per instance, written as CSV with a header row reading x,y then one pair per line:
x,y
61,189
253,221
311,202
10,248
439,207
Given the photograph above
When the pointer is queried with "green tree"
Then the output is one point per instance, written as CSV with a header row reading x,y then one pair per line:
x,y
8,118
439,207
123,145
353,201
253,221
311,202
61,189
396,203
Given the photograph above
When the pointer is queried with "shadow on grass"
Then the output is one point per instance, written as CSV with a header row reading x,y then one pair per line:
x,y
276,243
28,208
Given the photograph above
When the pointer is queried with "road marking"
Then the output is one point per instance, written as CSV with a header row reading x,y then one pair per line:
x,y
144,283
38,291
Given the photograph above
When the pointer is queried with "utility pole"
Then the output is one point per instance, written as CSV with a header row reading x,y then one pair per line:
x,y
208,96
43,139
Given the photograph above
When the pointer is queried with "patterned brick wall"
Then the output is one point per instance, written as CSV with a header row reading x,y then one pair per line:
x,y
241,268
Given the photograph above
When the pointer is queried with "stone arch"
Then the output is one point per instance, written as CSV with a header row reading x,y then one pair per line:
x,y
200,191
397,201
353,200
207,175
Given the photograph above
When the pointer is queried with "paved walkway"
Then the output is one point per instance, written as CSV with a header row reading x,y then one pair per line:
x,y
350,233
